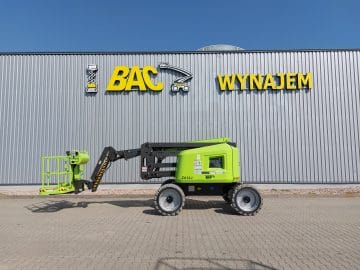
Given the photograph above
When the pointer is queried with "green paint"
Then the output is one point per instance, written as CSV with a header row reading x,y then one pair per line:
x,y
217,163
58,173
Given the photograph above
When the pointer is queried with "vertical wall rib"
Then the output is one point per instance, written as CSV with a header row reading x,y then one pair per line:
x,y
283,136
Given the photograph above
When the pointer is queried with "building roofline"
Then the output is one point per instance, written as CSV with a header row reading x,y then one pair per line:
x,y
172,52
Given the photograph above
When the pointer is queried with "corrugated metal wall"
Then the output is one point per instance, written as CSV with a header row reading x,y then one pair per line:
x,y
284,137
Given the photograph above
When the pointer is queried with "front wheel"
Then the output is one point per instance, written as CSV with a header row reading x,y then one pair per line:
x,y
169,200
169,181
246,200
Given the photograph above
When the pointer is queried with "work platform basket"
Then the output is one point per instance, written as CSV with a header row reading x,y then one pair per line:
x,y
56,175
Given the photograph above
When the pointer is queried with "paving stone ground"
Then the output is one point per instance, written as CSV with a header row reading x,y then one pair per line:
x,y
126,233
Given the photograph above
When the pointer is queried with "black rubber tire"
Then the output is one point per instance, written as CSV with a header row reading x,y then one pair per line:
x,y
238,189
169,181
227,196
173,188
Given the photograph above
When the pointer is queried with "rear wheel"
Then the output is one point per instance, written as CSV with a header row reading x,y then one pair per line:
x,y
246,200
169,200
227,196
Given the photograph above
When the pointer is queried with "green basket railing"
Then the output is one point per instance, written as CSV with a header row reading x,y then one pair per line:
x,y
56,175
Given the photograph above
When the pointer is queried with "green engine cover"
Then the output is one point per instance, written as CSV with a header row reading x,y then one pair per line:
x,y
217,163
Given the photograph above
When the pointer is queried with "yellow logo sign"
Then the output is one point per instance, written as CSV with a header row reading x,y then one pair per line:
x,y
126,79
280,81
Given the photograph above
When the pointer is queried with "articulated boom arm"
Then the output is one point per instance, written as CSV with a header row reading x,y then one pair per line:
x,y
108,155
152,156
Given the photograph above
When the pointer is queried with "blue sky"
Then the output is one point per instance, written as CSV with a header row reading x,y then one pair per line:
x,y
74,25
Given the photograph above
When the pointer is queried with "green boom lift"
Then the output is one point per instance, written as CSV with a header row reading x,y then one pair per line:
x,y
207,167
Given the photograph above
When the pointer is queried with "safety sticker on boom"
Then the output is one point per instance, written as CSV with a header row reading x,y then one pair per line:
x,y
100,174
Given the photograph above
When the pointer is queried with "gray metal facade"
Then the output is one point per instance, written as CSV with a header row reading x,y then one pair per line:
x,y
284,136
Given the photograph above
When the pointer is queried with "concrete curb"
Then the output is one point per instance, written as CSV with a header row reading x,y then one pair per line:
x,y
148,190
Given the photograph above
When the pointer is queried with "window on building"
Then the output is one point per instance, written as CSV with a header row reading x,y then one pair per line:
x,y
216,162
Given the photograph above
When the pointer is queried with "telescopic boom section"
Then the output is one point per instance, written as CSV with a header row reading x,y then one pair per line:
x,y
108,155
